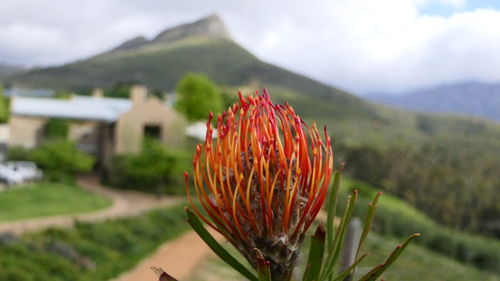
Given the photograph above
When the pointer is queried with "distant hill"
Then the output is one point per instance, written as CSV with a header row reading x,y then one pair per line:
x,y
472,98
7,70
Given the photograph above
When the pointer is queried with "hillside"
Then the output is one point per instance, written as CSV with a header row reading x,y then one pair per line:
x,y
7,70
472,98
385,135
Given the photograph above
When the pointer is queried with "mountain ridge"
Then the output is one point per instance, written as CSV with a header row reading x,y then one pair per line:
x,y
8,70
470,98
211,25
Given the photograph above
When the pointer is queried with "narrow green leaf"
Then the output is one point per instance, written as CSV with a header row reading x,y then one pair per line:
x,y
372,207
216,247
327,270
379,269
315,259
263,267
346,272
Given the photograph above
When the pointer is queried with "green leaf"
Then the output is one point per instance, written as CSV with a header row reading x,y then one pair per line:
x,y
372,207
315,258
338,241
332,205
263,266
216,247
379,269
344,273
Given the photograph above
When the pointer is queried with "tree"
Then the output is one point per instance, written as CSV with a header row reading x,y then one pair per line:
x,y
4,106
197,96
57,128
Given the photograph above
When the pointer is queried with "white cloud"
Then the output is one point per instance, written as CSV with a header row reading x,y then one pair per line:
x,y
360,45
455,3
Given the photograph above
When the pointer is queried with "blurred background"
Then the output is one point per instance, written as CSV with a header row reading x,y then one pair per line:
x,y
102,103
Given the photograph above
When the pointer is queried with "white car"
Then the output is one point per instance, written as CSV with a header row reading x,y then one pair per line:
x,y
27,170
9,176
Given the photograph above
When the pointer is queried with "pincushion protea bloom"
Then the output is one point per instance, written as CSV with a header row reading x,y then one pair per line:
x,y
262,180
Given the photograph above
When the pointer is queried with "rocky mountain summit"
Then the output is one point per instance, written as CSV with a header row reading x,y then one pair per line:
x,y
211,26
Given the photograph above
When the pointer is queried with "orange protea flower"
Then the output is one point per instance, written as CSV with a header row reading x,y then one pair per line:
x,y
262,180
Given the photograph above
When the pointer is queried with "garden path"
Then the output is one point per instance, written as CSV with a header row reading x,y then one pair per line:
x,y
124,203
179,258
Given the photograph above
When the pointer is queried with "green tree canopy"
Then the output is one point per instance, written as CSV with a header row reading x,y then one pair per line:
x,y
197,96
4,106
57,128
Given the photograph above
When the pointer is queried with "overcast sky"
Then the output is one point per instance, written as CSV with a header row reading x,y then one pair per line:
x,y
359,45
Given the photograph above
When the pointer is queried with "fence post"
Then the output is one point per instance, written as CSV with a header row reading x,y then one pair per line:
x,y
350,245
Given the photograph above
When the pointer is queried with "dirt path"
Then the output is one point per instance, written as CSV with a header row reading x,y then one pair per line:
x,y
125,203
179,258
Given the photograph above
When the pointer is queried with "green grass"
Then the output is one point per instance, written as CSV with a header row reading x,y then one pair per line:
x,y
47,198
397,218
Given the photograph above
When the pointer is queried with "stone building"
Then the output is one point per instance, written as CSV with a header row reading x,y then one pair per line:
x,y
99,125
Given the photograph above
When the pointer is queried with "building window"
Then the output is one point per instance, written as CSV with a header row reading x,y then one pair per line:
x,y
152,131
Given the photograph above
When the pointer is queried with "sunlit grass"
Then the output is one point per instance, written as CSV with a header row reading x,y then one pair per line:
x,y
45,199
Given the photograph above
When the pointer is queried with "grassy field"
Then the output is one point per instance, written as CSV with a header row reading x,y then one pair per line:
x,y
415,264
45,199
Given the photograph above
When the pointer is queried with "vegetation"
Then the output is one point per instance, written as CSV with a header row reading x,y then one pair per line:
x,y
59,159
57,128
47,198
119,90
197,96
89,252
4,106
155,169
416,264
396,218
456,186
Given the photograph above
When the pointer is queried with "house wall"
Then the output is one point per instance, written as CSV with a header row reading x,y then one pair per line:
x,y
129,130
25,131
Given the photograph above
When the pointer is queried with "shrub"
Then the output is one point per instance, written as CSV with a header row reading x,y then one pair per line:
x,y
57,128
4,108
60,160
19,153
152,170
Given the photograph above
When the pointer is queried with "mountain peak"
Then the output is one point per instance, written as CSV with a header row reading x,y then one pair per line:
x,y
211,25
133,43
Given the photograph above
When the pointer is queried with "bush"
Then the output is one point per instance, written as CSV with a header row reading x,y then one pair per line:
x,y
152,170
57,128
19,153
197,96
59,159
4,109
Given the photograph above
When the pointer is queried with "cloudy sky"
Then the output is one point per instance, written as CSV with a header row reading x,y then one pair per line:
x,y
360,45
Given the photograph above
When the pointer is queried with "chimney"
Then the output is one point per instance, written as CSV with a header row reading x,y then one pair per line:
x,y
97,93
138,93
